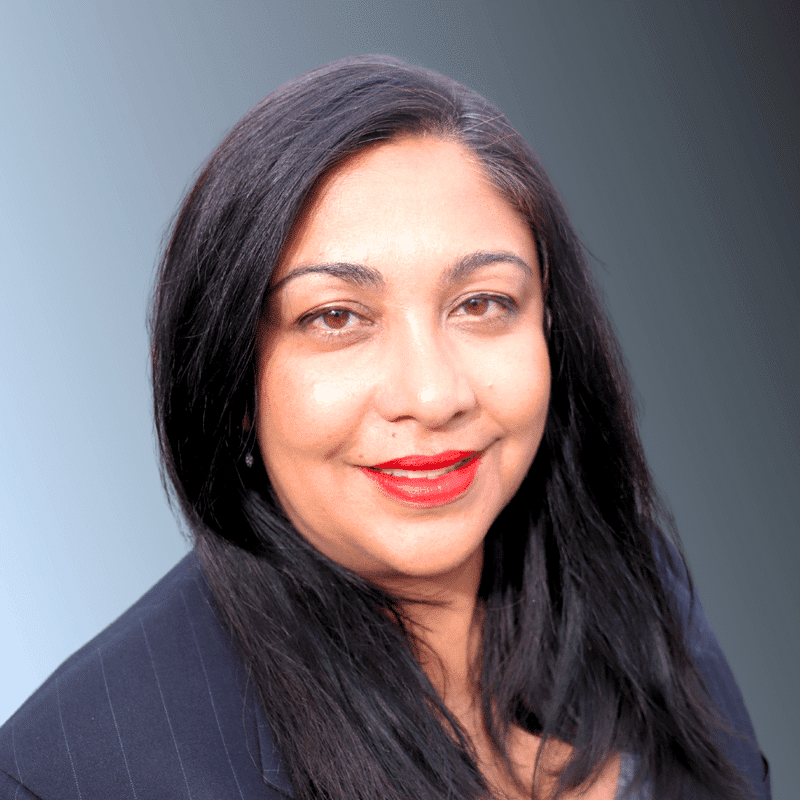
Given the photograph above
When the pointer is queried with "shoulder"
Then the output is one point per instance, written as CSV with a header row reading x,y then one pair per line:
x,y
154,706
738,737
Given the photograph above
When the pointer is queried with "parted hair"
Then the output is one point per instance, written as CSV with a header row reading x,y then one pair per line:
x,y
581,642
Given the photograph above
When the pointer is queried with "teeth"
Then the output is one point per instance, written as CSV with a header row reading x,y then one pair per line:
x,y
417,473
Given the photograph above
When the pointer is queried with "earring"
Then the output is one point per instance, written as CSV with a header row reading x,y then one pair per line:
x,y
248,460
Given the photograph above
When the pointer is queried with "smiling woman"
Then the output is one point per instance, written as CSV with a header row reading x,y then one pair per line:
x,y
403,374
429,561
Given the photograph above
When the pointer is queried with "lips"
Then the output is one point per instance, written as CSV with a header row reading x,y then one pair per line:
x,y
426,481
440,461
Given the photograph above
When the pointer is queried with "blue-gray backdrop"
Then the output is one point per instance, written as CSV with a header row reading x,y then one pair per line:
x,y
671,129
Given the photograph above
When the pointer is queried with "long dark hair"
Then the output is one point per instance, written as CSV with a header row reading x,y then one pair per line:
x,y
581,641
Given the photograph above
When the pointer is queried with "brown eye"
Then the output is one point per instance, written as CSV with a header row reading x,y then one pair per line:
x,y
333,323
336,318
476,306
487,308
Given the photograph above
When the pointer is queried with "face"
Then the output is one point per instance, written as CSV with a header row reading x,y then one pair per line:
x,y
402,373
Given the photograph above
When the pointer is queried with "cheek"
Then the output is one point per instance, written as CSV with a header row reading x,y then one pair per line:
x,y
521,403
516,383
305,408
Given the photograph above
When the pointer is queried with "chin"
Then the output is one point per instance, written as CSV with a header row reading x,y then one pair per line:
x,y
442,564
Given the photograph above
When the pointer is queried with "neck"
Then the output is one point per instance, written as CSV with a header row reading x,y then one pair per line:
x,y
445,619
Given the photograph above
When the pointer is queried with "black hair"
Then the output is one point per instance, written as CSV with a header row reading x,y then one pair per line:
x,y
581,641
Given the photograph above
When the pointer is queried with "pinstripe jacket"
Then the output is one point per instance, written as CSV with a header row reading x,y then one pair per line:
x,y
156,707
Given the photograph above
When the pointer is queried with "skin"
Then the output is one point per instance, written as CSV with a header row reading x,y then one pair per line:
x,y
397,355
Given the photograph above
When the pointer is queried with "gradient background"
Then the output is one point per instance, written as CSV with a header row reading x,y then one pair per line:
x,y
672,130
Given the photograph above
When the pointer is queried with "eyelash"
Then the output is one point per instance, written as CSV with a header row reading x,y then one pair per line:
x,y
507,306
308,320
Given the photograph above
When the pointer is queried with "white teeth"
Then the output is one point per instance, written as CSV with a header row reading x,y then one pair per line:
x,y
417,473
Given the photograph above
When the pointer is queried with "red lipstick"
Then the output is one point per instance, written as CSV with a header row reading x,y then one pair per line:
x,y
453,471
439,461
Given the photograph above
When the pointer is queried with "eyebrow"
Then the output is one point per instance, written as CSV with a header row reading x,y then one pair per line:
x,y
368,277
357,274
466,265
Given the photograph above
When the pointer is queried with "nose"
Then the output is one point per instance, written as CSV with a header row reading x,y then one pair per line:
x,y
425,378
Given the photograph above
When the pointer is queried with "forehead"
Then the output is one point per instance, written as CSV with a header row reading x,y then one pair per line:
x,y
412,197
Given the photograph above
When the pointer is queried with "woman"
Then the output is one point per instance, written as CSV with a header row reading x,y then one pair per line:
x,y
429,559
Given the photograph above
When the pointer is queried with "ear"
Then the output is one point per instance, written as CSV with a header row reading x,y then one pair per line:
x,y
247,422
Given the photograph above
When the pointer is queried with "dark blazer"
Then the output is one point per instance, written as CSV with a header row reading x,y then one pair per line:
x,y
157,707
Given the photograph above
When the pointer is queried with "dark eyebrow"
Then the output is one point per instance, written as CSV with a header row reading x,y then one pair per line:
x,y
358,274
466,265
361,275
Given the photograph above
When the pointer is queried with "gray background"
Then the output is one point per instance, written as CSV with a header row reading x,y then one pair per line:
x,y
672,131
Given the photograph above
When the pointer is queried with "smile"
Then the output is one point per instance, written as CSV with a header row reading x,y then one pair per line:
x,y
426,481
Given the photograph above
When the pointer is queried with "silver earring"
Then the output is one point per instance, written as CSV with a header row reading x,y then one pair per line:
x,y
248,460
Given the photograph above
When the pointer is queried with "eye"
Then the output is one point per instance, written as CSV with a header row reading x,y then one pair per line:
x,y
335,318
476,306
485,306
332,321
